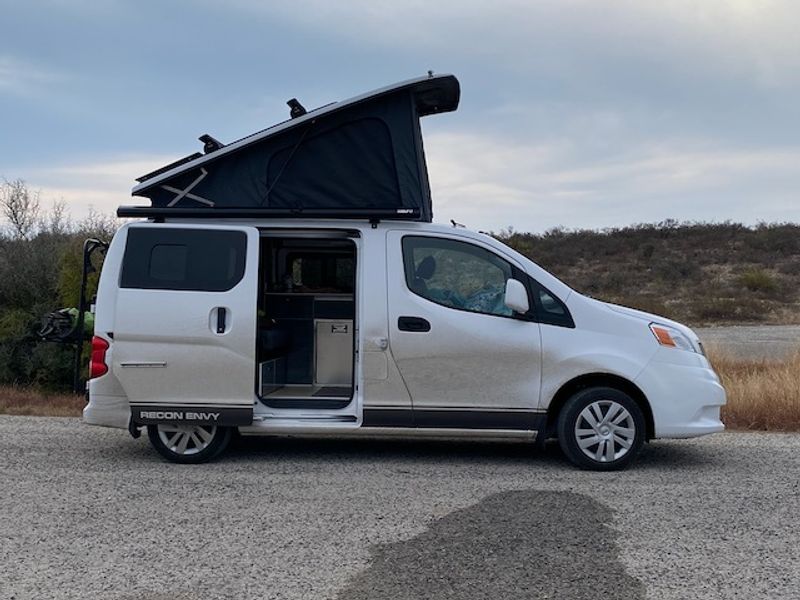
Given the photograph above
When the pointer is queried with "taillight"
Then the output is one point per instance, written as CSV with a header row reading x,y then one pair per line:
x,y
97,363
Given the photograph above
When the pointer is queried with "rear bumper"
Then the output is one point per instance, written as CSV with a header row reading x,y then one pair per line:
x,y
107,411
685,398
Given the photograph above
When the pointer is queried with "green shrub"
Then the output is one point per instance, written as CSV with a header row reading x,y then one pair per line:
x,y
758,280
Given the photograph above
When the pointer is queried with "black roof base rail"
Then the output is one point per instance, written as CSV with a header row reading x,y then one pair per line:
x,y
370,214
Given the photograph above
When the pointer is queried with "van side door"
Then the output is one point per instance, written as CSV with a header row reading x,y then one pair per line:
x,y
185,320
468,361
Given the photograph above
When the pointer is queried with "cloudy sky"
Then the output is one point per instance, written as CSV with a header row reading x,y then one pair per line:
x,y
581,113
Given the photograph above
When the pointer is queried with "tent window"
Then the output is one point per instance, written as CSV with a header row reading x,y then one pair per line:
x,y
352,166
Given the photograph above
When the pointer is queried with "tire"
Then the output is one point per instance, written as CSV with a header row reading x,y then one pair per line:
x,y
189,444
589,441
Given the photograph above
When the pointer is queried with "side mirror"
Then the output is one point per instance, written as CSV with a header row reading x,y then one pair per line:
x,y
517,296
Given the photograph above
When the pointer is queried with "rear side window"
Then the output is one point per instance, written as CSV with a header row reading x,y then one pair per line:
x,y
183,259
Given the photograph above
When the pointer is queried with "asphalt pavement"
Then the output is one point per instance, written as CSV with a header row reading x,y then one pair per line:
x,y
91,513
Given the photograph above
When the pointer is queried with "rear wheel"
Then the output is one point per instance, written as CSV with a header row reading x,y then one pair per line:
x,y
601,429
188,443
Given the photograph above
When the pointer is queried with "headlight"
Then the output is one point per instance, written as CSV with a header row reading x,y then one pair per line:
x,y
672,338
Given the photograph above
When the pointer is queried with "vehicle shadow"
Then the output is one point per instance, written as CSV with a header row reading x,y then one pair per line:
x,y
368,450
677,454
327,451
655,455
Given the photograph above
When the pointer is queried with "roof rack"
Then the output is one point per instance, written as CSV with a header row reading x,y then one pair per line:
x,y
370,214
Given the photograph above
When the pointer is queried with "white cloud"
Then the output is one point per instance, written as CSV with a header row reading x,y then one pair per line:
x,y
756,39
23,78
101,185
488,183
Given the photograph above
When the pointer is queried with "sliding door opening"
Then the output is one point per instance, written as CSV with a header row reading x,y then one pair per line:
x,y
306,322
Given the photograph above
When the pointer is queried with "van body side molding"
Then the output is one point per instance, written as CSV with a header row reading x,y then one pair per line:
x,y
201,415
459,418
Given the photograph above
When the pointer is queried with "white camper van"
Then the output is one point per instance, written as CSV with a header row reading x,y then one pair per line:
x,y
232,307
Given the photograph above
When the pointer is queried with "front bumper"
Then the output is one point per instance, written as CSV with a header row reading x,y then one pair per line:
x,y
685,394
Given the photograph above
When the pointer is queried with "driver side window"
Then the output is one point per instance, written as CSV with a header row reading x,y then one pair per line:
x,y
456,274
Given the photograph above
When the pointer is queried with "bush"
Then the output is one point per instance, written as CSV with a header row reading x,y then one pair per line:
x,y
718,310
758,280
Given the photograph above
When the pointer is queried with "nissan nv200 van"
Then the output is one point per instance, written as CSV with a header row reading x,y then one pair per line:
x,y
293,283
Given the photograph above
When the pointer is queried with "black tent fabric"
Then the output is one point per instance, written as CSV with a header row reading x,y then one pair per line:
x,y
361,154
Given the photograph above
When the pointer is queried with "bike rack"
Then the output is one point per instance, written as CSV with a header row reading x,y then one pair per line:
x,y
90,246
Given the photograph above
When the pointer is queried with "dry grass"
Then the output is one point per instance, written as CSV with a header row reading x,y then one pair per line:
x,y
28,401
763,395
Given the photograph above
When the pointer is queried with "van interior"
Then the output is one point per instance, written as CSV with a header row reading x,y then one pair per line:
x,y
306,316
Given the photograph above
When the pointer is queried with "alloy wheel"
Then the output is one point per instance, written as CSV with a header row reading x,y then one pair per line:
x,y
186,440
605,431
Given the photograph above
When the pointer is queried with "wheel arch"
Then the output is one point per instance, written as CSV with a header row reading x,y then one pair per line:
x,y
588,380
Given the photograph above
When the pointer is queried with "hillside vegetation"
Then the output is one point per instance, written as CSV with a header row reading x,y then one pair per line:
x,y
40,271
698,273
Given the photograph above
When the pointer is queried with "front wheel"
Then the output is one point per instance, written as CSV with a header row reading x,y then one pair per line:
x,y
601,429
182,443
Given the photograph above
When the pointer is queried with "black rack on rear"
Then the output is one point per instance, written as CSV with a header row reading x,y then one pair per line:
x,y
69,325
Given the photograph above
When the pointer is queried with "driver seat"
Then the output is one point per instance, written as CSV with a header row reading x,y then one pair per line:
x,y
425,271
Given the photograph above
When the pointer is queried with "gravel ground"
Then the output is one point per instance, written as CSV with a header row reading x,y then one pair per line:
x,y
753,341
91,513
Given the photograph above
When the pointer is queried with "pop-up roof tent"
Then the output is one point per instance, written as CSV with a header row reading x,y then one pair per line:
x,y
359,158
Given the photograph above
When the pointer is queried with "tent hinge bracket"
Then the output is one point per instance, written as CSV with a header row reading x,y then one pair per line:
x,y
374,222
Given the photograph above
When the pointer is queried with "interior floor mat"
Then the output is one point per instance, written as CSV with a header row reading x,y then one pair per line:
x,y
333,391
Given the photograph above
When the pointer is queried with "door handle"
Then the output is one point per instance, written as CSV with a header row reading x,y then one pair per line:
x,y
221,314
417,324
